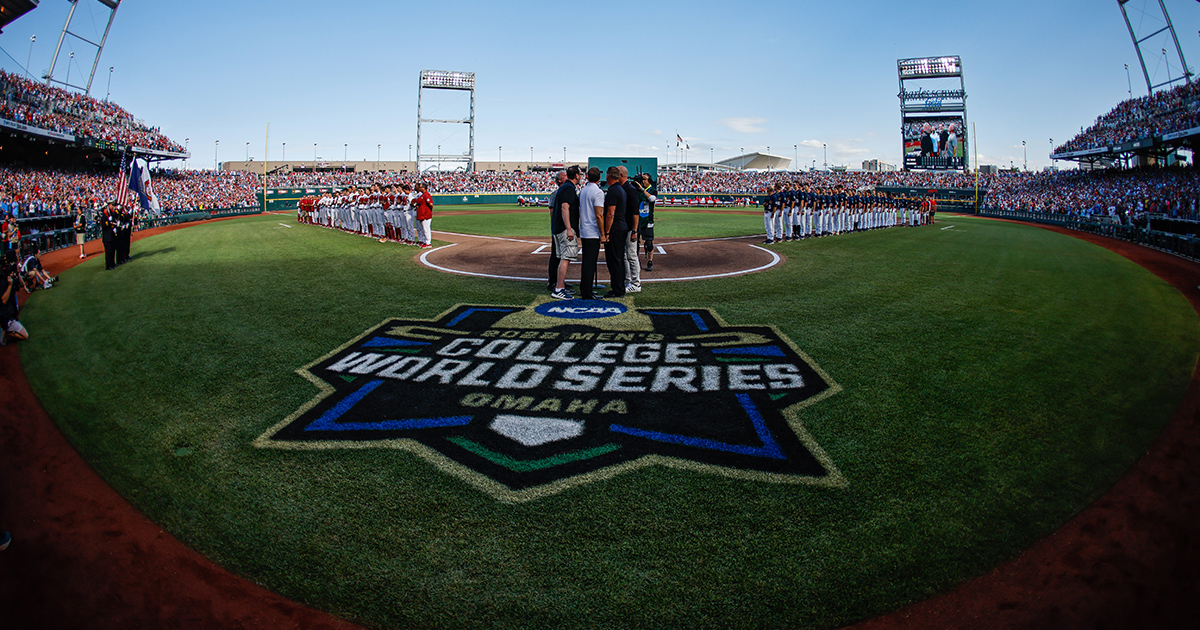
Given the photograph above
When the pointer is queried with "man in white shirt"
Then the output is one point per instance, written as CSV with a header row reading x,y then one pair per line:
x,y
591,217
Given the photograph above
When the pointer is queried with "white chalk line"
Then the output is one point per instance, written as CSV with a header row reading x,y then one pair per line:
x,y
775,260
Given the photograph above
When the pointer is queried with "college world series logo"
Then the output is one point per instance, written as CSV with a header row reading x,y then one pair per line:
x,y
527,401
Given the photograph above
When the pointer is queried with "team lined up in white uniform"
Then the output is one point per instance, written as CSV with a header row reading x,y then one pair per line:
x,y
792,212
387,212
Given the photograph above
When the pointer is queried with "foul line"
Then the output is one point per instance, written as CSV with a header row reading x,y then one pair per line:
x,y
775,259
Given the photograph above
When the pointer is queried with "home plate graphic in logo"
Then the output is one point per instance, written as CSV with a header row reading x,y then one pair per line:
x,y
523,402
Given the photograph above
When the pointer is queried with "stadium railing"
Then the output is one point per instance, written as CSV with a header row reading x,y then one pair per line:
x,y
1184,245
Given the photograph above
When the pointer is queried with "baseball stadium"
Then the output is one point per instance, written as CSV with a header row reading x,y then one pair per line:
x,y
649,379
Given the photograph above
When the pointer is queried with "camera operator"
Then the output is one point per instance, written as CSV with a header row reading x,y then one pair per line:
x,y
9,284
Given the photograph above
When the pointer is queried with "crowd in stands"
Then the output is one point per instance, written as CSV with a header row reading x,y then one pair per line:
x,y
734,182
28,193
444,182
39,105
1125,194
1160,113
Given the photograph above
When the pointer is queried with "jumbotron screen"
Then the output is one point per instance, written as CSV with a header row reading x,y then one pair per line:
x,y
935,143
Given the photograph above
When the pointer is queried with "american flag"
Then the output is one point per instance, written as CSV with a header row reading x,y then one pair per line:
x,y
123,182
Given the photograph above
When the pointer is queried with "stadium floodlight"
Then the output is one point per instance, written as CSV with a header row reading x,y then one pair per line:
x,y
1138,40
447,80
87,89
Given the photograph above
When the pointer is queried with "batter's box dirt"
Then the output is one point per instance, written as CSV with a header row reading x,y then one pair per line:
x,y
510,259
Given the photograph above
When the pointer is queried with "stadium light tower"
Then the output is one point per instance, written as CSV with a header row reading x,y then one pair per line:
x,y
825,148
108,90
1025,153
1139,40
29,58
87,89
452,81
500,150
216,147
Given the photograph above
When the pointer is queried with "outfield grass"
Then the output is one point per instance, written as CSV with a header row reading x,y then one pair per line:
x,y
683,223
997,379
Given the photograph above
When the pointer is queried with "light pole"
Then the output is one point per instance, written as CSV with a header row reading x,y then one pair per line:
x,y
216,146
1025,152
69,67
185,152
108,90
768,157
314,158
710,157
1129,81
345,152
1052,151
378,152
439,158
796,157
247,152
530,155
564,156
500,149
29,59
825,148
410,153
285,153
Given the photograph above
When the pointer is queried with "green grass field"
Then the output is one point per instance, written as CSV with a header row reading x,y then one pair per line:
x,y
997,379
675,223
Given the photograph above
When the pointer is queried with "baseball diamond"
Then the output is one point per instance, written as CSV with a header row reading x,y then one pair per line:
x,y
592,346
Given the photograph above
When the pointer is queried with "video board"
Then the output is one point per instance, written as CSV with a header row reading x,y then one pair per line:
x,y
935,142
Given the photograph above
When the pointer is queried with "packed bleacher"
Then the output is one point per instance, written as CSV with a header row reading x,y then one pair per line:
x,y
29,192
1125,194
38,105
1161,113
474,182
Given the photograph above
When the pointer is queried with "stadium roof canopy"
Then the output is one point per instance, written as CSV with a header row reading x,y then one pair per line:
x,y
758,162
12,9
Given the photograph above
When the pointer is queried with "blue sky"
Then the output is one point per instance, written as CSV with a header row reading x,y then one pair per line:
x,y
727,76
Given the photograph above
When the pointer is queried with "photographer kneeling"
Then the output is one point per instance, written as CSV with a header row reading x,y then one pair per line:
x,y
10,282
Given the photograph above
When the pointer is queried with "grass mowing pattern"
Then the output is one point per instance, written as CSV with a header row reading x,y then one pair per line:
x,y
667,223
997,379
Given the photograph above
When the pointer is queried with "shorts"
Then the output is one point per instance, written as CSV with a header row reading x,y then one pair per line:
x,y
566,249
79,236
13,326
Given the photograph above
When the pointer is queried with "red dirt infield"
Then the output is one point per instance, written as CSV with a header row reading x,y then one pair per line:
x,y
83,557
527,258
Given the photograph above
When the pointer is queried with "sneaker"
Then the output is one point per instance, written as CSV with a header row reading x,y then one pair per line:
x,y
767,242
560,294
614,294
633,288
649,265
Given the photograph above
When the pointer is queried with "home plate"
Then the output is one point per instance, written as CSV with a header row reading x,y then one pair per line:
x,y
532,431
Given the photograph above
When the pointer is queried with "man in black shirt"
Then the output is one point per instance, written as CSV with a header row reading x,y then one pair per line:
x,y
617,231
564,227
633,264
552,268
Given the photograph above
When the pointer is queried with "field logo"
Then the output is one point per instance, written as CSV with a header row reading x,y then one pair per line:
x,y
524,402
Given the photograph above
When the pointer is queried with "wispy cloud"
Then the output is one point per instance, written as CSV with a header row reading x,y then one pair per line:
x,y
744,125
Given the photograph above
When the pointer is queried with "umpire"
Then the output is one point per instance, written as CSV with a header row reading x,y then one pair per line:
x,y
109,226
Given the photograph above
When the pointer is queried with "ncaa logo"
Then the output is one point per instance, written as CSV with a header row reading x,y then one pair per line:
x,y
581,309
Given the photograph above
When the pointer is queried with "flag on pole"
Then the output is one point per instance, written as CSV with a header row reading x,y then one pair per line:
x,y
678,139
123,181
139,182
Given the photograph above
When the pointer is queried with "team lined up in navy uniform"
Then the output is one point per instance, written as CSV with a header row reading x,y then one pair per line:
x,y
792,212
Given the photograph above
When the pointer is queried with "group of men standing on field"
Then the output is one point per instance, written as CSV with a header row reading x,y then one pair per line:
x,y
389,212
792,212
583,218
